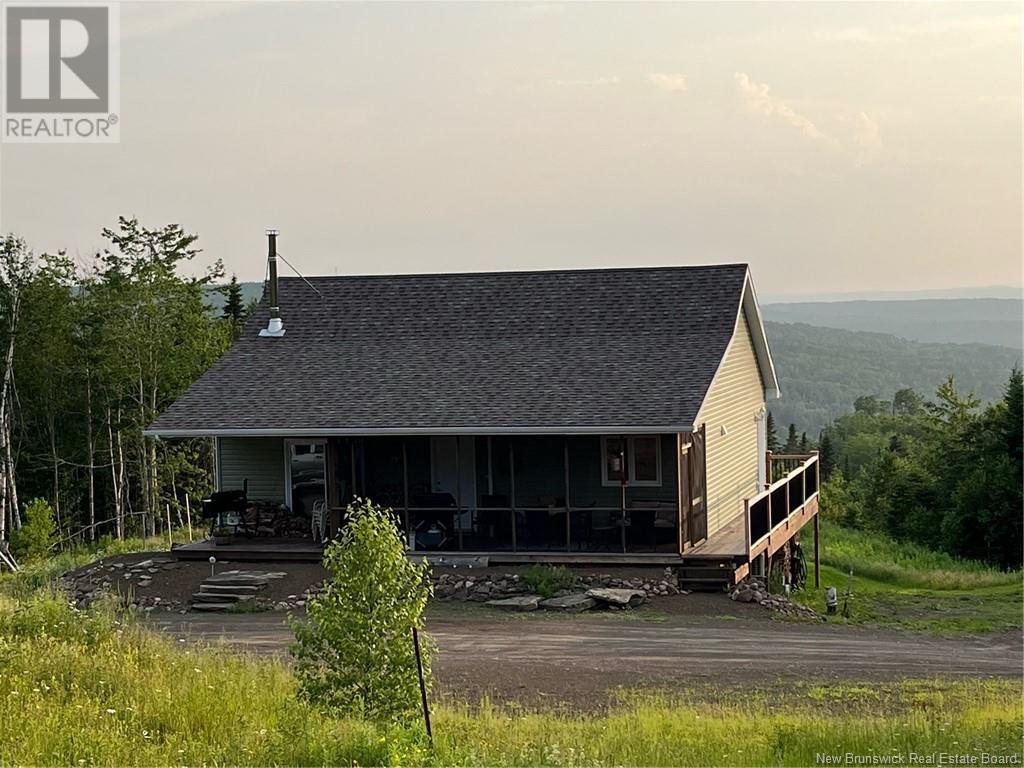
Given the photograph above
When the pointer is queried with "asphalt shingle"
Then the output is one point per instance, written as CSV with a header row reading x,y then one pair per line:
x,y
554,349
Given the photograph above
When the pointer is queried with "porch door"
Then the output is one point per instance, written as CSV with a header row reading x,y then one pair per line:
x,y
698,528
453,470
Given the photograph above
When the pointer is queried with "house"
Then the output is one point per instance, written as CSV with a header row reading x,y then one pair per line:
x,y
597,415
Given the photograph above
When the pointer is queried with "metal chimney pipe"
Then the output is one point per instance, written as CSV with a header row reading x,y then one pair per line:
x,y
275,327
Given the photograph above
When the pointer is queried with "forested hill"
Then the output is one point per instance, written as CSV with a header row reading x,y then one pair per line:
x,y
823,370
961,321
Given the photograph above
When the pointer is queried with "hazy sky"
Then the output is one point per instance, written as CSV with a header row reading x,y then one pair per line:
x,y
834,146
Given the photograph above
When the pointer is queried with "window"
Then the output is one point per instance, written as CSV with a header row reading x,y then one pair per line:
x,y
306,475
639,456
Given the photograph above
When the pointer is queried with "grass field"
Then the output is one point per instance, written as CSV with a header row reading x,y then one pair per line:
x,y
905,585
89,688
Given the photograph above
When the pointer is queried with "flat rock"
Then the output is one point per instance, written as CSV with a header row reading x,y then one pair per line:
x,y
619,597
569,603
524,603
211,606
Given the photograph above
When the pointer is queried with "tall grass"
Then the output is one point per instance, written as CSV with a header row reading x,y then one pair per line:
x,y
87,688
906,564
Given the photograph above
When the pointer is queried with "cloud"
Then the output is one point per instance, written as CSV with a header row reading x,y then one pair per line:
x,y
866,131
759,99
674,83
592,83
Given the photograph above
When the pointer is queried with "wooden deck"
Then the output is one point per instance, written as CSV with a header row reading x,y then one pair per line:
x,y
252,550
304,550
728,541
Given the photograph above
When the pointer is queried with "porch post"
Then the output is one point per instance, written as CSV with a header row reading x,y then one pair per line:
x,y
568,506
679,490
490,468
458,487
512,487
817,554
622,479
352,461
405,488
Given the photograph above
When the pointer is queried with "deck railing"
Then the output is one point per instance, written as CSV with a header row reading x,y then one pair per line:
x,y
772,509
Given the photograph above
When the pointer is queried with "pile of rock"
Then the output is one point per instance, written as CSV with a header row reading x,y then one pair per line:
x,y
755,590
291,602
574,602
751,590
127,579
467,586
668,584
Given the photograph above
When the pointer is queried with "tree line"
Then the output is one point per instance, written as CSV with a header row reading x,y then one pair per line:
x,y
945,472
91,354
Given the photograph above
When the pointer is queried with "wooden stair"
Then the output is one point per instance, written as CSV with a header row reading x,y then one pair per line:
x,y
707,573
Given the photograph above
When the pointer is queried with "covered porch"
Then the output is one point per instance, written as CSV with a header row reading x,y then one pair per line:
x,y
520,494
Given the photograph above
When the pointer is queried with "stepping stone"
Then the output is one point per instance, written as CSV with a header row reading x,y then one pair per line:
x,y
626,598
237,581
524,603
209,597
569,603
211,606
229,589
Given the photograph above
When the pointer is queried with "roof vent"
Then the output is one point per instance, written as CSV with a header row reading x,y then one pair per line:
x,y
275,327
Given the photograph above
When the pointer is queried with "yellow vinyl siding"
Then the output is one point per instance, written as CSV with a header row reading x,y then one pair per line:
x,y
733,401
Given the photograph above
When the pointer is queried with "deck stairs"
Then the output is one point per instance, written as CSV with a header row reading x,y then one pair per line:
x,y
709,573
223,591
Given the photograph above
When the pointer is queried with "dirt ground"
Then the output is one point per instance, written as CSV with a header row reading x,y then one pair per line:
x,y
176,582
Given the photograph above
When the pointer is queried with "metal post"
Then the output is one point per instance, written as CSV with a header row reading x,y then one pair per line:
x,y
568,507
423,685
275,311
817,554
512,488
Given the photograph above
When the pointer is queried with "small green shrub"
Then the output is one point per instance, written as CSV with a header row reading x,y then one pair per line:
x,y
547,580
35,538
355,653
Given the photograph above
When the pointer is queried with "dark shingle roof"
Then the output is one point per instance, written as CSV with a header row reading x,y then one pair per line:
x,y
555,349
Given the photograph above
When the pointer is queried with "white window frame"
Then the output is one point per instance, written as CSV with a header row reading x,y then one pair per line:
x,y
630,461
288,443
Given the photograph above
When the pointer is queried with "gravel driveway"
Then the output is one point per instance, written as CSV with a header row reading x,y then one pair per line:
x,y
534,658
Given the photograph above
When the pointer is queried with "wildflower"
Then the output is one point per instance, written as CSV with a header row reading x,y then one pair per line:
x,y
111,711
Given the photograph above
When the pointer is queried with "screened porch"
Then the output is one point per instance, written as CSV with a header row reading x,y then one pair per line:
x,y
527,493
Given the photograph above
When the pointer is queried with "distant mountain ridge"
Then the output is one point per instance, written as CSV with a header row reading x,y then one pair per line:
x,y
960,321
823,370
